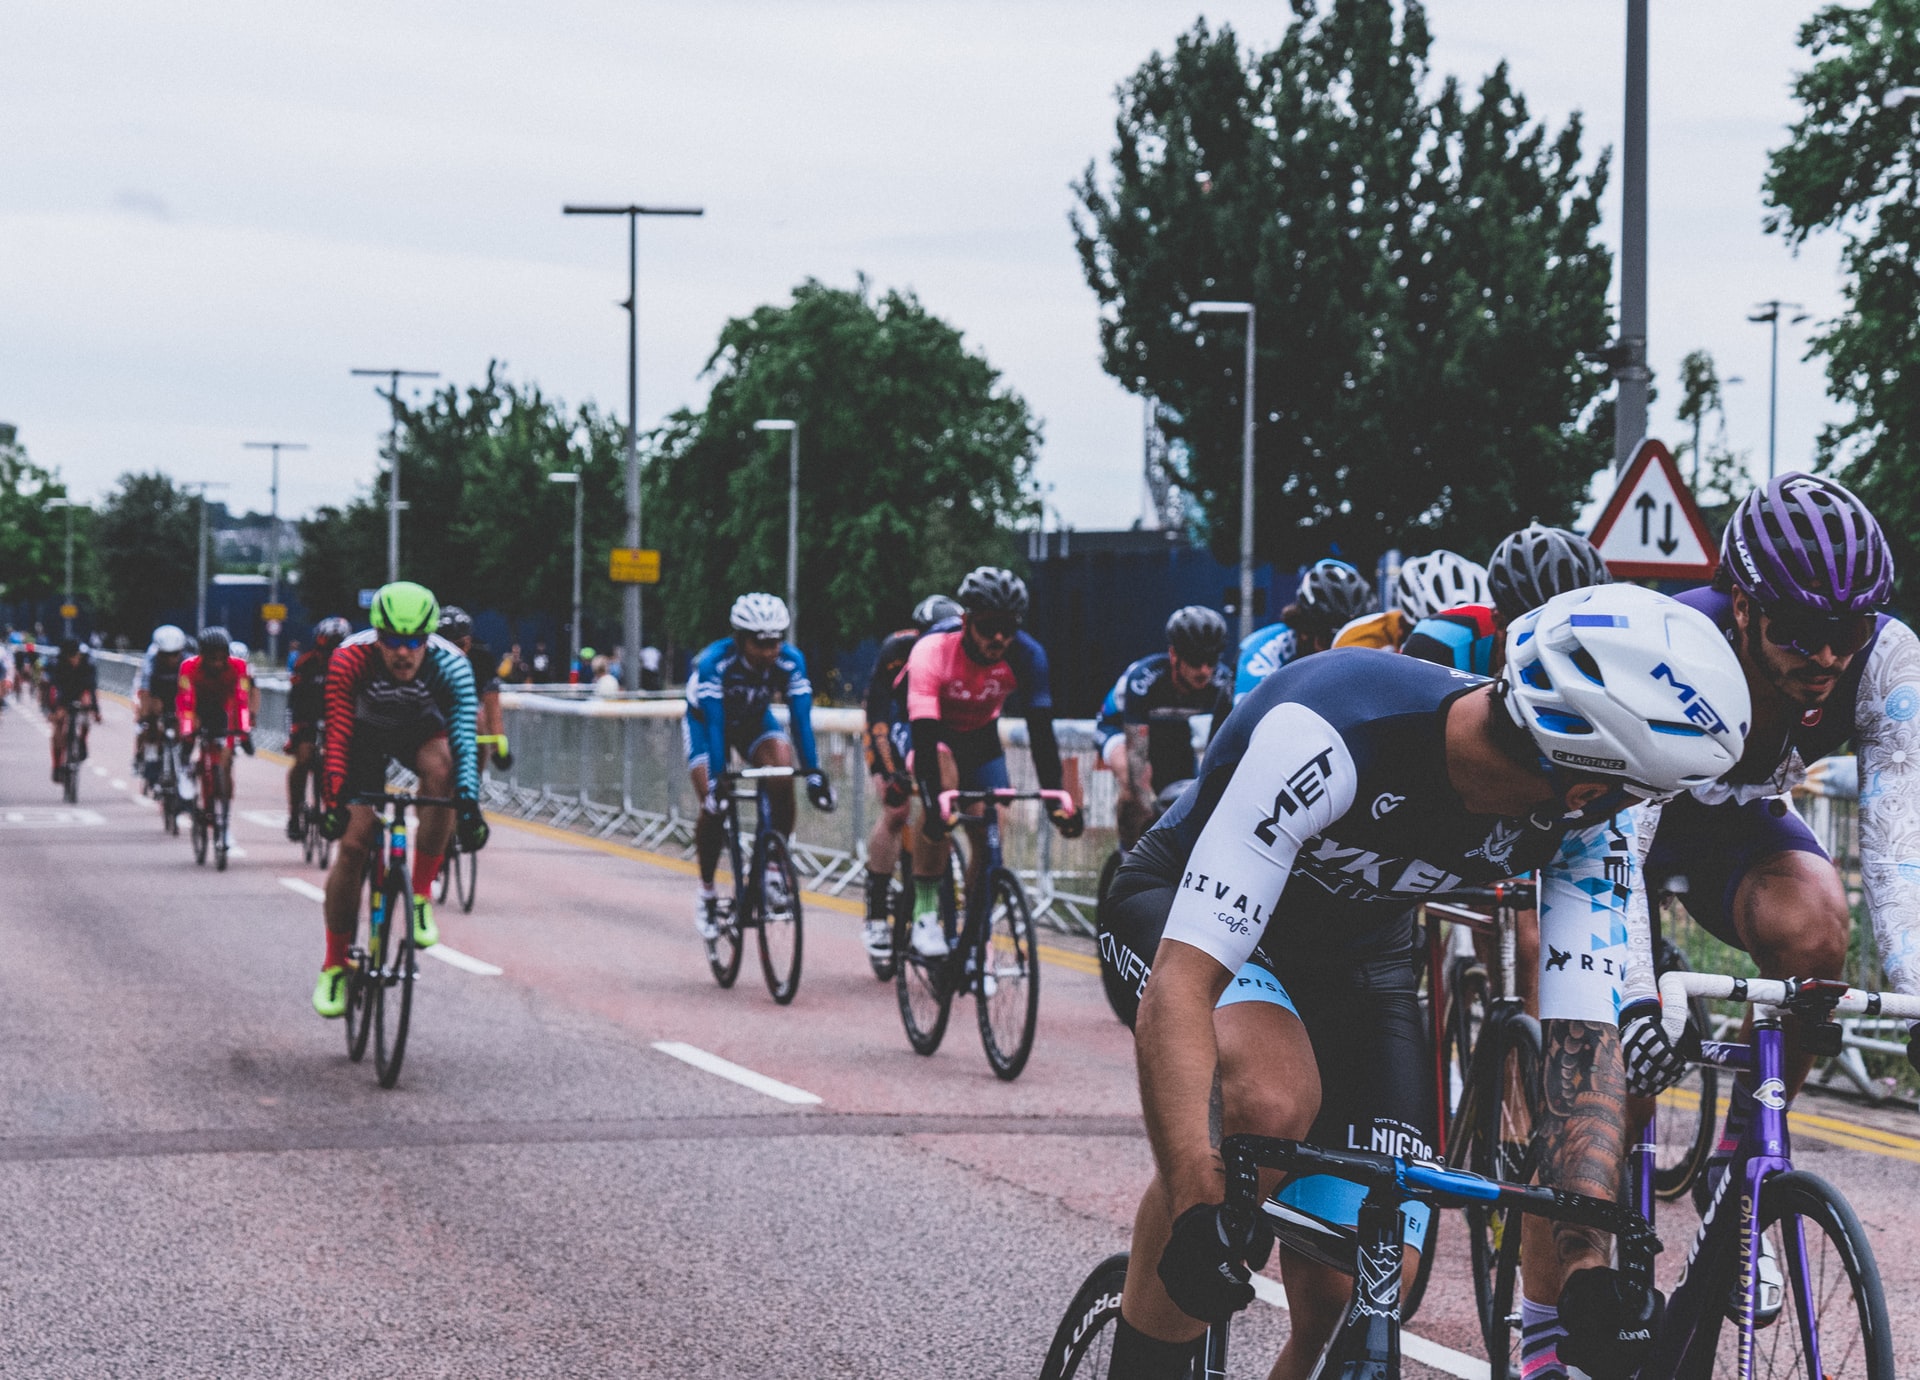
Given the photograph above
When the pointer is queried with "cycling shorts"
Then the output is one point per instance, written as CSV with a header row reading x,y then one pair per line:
x,y
300,734
977,753
1361,1010
1713,847
393,728
743,738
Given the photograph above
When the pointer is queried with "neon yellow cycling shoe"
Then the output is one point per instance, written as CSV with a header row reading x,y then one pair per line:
x,y
330,993
425,933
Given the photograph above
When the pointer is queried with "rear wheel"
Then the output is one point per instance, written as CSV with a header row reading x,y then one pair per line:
x,y
465,866
444,884
780,921
1685,1127
220,843
1119,996
920,984
1506,1106
200,834
1082,1347
363,977
1008,984
393,990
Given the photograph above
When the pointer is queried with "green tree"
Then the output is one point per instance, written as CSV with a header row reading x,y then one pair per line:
x,y
916,462
32,535
1425,273
147,531
1717,474
1851,165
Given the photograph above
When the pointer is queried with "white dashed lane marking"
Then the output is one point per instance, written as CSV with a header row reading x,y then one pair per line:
x,y
446,953
726,1068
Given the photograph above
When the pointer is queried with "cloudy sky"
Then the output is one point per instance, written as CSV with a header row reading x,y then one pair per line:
x,y
210,213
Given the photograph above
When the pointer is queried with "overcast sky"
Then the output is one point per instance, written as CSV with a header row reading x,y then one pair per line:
x,y
210,213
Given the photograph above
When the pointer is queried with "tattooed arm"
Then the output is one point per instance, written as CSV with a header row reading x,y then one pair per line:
x,y
1887,738
1582,1132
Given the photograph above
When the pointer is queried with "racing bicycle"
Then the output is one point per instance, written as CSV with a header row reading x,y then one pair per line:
x,y
992,951
766,890
74,752
315,846
381,973
210,825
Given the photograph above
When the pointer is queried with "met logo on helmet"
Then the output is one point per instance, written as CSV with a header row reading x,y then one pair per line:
x,y
1697,710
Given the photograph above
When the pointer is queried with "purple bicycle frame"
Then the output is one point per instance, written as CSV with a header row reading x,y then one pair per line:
x,y
1729,1241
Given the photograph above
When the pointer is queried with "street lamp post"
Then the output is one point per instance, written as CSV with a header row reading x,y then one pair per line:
x,y
273,536
1769,313
200,555
394,505
792,428
631,626
67,601
1246,457
579,499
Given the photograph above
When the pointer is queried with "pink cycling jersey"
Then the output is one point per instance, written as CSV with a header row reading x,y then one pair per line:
x,y
944,683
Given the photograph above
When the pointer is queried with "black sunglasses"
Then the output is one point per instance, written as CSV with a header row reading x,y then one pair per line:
x,y
995,625
403,644
1804,632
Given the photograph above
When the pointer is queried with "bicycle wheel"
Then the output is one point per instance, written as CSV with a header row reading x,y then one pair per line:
x,y
1082,1346
363,975
444,884
200,836
1506,1105
1834,1320
1688,1111
780,921
220,836
393,989
1119,995
724,951
920,984
466,878
1007,994
70,782
883,965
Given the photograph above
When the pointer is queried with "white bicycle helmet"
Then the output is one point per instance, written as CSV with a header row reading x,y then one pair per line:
x,y
760,615
1439,580
167,639
1619,681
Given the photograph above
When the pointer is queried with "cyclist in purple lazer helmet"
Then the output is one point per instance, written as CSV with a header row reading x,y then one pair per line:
x,y
1804,571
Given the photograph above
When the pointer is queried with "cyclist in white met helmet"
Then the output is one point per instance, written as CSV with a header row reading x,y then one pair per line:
x,y
730,694
1262,925
155,685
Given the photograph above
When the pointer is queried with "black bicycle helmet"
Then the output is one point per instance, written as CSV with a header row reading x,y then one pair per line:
x,y
1532,565
1336,592
989,589
933,609
331,632
1197,635
455,623
216,645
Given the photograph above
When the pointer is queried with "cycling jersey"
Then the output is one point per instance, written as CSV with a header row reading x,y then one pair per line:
x,y
1463,638
944,682
213,698
1146,696
1111,720
159,676
70,684
884,709
485,666
1263,653
730,704
386,717
1385,630
307,689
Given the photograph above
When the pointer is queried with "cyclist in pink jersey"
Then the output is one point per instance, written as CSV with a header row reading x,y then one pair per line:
x,y
958,678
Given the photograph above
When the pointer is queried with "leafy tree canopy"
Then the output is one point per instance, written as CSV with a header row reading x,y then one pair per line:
x,y
915,463
1424,268
148,531
1852,165
1715,471
33,535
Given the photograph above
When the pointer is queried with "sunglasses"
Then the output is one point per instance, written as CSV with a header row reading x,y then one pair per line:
x,y
403,644
1803,632
765,643
989,626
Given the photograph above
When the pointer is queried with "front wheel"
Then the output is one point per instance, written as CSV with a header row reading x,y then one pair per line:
x,y
1008,984
1685,1130
1505,1108
393,990
780,921
200,836
1082,1347
920,984
465,865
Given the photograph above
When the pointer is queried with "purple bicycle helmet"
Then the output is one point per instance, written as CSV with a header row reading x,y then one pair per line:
x,y
1808,541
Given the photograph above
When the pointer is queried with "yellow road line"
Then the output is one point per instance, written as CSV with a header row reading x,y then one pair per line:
x,y
1853,1135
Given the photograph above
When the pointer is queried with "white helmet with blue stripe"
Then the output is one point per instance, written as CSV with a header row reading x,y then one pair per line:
x,y
1619,681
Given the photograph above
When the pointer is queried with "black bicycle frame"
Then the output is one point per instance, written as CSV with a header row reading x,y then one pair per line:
x,y
748,875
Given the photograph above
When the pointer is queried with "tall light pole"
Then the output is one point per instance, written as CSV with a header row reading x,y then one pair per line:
x,y
1199,309
273,535
392,395
200,558
66,602
579,500
631,627
1769,313
792,428
1630,352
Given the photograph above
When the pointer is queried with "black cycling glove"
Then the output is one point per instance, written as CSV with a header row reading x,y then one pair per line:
x,y
1654,1062
819,791
471,826
333,822
1208,1263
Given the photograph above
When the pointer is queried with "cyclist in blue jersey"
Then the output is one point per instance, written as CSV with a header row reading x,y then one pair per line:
x,y
730,694
1263,926
1332,594
1528,568
1151,744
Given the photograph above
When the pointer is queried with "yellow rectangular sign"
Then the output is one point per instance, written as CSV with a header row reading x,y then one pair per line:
x,y
633,565
69,610
274,613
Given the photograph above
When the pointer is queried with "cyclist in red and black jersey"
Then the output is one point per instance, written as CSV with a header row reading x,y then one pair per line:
x,y
306,706
214,707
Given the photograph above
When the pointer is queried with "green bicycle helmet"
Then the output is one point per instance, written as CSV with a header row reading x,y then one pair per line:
x,y
405,609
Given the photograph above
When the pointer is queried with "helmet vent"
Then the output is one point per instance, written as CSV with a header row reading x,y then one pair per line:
x,y
1588,666
1535,675
1562,723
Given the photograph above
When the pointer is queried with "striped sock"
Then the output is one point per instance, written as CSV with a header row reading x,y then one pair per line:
x,y
1540,1334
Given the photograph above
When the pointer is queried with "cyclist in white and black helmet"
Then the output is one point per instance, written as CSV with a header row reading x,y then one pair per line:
x,y
1426,584
1528,568
1143,732
1331,595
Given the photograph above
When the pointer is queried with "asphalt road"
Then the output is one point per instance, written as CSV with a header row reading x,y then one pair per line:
x,y
195,1181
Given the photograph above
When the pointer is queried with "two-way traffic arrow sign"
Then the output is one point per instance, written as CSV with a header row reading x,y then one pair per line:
x,y
1668,541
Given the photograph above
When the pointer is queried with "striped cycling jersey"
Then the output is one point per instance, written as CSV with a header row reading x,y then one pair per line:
x,y
359,684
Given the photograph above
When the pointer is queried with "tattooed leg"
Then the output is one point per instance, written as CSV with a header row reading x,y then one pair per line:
x,y
1582,1137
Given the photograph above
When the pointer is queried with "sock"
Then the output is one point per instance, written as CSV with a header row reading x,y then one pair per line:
x,y
878,884
926,897
1136,1356
337,945
1540,1334
426,871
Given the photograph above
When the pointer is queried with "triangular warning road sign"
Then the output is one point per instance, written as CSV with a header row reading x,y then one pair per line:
x,y
1650,528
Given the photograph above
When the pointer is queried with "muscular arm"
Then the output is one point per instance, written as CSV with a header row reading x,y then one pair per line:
x,y
1045,748
1887,739
1583,1129
1179,1063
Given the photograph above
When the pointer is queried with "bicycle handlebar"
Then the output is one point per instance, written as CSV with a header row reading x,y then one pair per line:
x,y
947,799
1817,997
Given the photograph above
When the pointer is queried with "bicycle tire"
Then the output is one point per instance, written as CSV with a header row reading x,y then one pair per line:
x,y
220,836
920,984
466,878
883,965
782,922
309,836
1119,996
70,784
444,883
1007,990
1689,1111
198,831
394,988
363,976
1082,1345
1501,1146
